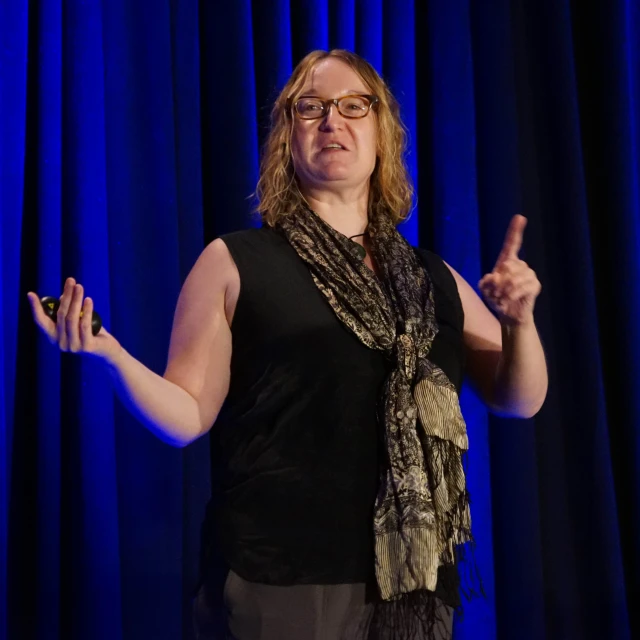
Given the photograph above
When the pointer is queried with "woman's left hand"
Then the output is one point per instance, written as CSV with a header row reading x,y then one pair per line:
x,y
512,287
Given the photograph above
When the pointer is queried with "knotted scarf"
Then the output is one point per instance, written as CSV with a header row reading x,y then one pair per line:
x,y
421,513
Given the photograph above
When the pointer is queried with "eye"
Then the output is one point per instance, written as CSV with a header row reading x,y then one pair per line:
x,y
309,106
354,104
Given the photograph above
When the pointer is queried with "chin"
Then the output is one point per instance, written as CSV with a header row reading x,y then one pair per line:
x,y
339,172
338,175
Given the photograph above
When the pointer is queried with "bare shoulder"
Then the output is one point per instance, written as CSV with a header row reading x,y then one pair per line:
x,y
214,274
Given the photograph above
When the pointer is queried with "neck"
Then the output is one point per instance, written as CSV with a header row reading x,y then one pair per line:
x,y
345,212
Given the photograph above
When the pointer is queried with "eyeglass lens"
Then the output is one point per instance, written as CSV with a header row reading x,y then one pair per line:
x,y
349,106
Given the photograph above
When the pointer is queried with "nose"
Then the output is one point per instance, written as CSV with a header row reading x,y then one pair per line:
x,y
332,120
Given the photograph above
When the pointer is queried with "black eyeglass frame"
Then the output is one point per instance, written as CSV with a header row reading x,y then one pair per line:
x,y
373,100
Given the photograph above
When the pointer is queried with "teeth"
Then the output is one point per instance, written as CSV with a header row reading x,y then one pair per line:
x,y
333,146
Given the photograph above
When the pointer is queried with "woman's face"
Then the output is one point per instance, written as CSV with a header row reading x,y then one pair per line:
x,y
317,166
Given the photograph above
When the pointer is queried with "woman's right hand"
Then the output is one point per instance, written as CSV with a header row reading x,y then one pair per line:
x,y
72,332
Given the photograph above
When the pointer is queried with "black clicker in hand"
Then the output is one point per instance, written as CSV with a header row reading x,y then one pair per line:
x,y
72,325
51,305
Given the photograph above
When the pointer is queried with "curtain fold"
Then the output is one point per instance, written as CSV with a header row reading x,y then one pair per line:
x,y
129,139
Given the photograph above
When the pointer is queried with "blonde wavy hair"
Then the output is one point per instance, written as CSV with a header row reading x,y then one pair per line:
x,y
390,189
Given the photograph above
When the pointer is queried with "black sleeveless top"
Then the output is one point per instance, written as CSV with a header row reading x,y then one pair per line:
x,y
295,448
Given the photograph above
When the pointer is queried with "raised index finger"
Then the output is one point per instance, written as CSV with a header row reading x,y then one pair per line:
x,y
513,239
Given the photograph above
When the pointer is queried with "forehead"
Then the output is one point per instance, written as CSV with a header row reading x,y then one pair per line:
x,y
332,77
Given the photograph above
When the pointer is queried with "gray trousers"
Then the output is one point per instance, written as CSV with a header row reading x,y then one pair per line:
x,y
253,611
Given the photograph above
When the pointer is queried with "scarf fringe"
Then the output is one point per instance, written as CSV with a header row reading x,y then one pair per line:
x,y
420,614
417,615
471,585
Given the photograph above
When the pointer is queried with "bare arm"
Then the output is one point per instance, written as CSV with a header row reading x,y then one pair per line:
x,y
163,407
505,363
505,358
181,405
200,349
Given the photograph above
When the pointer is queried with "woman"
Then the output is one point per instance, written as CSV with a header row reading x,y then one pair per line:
x,y
328,353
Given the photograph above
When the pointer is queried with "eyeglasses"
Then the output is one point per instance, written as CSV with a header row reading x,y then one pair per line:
x,y
352,106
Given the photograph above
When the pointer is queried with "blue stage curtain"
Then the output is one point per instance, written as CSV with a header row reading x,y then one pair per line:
x,y
129,138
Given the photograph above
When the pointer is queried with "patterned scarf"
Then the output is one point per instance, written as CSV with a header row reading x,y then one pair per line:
x,y
422,509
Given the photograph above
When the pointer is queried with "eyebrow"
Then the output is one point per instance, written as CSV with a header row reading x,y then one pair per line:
x,y
308,94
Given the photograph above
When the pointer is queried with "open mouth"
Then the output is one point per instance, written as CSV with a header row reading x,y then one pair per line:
x,y
333,147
